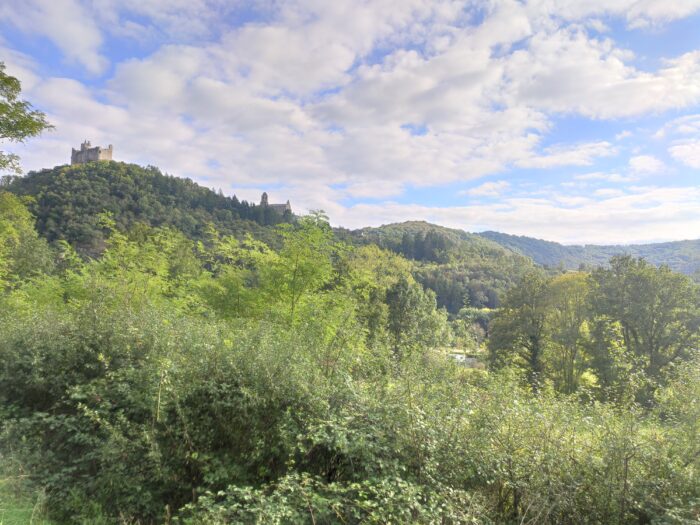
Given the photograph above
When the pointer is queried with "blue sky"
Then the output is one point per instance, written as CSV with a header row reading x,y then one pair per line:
x,y
566,120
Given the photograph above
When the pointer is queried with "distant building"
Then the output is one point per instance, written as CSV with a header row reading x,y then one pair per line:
x,y
279,208
87,153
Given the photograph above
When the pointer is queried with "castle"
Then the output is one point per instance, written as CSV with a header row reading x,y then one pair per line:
x,y
87,153
279,208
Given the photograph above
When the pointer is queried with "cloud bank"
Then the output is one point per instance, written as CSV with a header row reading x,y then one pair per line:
x,y
383,111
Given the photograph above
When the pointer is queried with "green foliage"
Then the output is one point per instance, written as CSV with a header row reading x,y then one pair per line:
x,y
680,256
20,504
68,201
461,268
224,380
518,332
18,121
621,326
305,499
22,252
656,308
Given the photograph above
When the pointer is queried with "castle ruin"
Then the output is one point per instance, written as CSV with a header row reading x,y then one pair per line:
x,y
279,208
87,153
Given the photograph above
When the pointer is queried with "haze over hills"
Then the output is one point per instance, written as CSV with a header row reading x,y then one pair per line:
x,y
681,256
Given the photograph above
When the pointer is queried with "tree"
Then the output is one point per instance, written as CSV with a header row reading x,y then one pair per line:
x,y
568,328
413,321
22,252
656,308
18,121
518,330
304,263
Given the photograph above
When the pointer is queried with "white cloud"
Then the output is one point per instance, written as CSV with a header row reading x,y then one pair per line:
x,y
489,189
65,22
684,133
646,165
566,71
603,176
360,99
687,152
638,13
573,155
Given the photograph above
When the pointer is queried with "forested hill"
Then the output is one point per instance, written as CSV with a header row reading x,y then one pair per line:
x,y
681,256
67,202
463,269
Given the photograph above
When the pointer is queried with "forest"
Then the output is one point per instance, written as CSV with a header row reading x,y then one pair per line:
x,y
225,380
169,355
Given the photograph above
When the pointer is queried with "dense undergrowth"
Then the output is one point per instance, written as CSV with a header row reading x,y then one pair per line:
x,y
223,382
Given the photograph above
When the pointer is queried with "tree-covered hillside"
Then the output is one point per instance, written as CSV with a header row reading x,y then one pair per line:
x,y
681,256
463,269
67,202
169,381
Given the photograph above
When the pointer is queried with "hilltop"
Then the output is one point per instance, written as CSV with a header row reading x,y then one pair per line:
x,y
67,202
463,269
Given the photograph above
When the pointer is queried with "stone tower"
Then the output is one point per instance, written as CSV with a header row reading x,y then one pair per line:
x,y
279,208
87,153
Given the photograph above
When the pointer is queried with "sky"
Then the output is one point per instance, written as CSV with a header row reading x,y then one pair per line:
x,y
568,120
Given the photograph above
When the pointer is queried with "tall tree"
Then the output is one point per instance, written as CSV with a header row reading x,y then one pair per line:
x,y
304,264
518,331
22,252
656,308
568,326
18,121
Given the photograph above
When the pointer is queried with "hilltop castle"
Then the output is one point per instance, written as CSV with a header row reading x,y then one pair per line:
x,y
279,208
87,153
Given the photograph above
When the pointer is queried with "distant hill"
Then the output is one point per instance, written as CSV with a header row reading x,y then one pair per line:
x,y
681,256
67,201
462,268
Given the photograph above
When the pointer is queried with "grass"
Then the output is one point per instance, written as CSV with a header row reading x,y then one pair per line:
x,y
19,505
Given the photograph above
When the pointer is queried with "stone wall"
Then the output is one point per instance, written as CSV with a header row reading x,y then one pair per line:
x,y
87,153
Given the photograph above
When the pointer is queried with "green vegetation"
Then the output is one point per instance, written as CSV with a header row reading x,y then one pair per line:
x,y
225,380
617,331
171,356
18,121
67,202
464,270
680,256
19,504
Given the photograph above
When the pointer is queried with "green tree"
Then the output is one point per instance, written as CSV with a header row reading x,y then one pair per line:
x,y
568,327
18,121
656,309
414,322
303,265
519,331
22,252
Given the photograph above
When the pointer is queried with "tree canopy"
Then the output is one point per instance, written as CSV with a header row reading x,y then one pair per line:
x,y
18,120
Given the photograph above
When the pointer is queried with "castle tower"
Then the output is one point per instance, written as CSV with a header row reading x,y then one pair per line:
x,y
87,153
279,208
